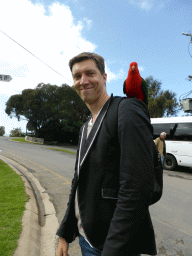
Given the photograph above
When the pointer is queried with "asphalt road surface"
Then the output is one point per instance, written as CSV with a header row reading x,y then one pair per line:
x,y
171,216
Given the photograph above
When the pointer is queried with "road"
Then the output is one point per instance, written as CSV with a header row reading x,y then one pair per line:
x,y
171,216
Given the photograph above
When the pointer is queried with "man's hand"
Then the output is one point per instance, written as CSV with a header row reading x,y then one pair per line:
x,y
62,248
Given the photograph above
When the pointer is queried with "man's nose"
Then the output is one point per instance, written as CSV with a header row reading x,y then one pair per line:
x,y
84,79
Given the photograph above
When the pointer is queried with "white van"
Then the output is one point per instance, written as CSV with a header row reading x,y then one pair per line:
x,y
178,140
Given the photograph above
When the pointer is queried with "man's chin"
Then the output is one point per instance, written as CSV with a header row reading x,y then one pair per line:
x,y
86,97
88,100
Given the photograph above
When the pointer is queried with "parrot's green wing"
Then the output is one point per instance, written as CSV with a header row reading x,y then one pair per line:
x,y
124,88
145,91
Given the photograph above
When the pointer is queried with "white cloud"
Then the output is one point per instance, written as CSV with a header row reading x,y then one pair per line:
x,y
44,36
148,4
143,4
88,23
53,38
114,76
141,68
12,69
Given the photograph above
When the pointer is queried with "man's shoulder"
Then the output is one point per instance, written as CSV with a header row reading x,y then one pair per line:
x,y
127,102
133,107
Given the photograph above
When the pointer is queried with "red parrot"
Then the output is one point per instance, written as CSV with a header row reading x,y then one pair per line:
x,y
135,86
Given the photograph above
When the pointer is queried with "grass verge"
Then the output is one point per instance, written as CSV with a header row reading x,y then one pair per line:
x,y
64,150
20,139
12,205
51,143
23,140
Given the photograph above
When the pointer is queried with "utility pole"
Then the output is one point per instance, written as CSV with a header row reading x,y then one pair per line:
x,y
187,102
187,34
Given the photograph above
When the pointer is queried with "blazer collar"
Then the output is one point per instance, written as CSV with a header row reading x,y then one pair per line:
x,y
86,143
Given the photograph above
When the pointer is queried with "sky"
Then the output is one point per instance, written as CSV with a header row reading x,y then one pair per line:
x,y
148,32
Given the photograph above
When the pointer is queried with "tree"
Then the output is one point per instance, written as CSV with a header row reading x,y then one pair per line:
x,y
16,132
54,112
2,130
161,103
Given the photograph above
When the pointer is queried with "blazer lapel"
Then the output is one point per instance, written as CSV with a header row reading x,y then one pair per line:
x,y
88,142
83,146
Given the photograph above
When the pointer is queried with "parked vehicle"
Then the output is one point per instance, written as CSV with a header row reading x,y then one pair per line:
x,y
178,140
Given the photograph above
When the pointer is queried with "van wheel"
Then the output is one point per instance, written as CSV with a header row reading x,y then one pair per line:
x,y
169,163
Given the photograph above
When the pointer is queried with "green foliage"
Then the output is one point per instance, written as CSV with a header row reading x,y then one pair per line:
x,y
160,103
2,130
14,106
54,113
16,132
12,205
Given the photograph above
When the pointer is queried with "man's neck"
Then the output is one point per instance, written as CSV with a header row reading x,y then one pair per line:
x,y
97,106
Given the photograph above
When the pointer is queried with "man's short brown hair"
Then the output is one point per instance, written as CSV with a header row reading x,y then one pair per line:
x,y
99,61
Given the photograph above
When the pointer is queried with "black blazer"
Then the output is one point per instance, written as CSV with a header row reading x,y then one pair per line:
x,y
115,182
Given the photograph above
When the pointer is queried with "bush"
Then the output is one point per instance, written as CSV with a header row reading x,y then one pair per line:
x,y
16,132
2,130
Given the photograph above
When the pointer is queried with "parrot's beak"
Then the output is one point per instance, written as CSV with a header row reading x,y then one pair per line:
x,y
133,68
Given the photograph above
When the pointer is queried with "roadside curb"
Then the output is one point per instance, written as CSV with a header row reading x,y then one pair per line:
x,y
39,219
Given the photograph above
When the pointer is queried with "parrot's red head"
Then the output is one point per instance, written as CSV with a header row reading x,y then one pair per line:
x,y
134,67
133,74
133,70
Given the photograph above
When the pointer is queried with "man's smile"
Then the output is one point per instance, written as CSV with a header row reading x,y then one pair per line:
x,y
85,89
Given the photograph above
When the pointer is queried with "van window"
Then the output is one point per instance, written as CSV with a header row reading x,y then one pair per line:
x,y
183,132
159,128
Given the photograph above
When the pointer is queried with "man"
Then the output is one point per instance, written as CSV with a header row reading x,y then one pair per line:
x,y
114,179
160,144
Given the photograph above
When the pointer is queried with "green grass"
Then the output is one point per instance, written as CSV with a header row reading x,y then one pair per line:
x,y
12,205
20,139
23,140
64,150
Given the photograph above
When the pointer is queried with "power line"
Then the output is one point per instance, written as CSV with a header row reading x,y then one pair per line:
x,y
185,95
34,55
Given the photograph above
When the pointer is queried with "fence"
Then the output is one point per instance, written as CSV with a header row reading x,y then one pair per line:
x,y
33,139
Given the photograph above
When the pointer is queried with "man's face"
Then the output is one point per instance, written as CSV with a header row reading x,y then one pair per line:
x,y
163,137
89,83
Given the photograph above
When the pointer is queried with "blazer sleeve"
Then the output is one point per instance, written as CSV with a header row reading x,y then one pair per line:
x,y
68,227
136,175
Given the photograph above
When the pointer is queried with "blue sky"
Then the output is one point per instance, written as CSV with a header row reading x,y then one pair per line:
x,y
146,31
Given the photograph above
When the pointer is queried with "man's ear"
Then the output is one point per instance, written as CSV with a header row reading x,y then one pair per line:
x,y
105,77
